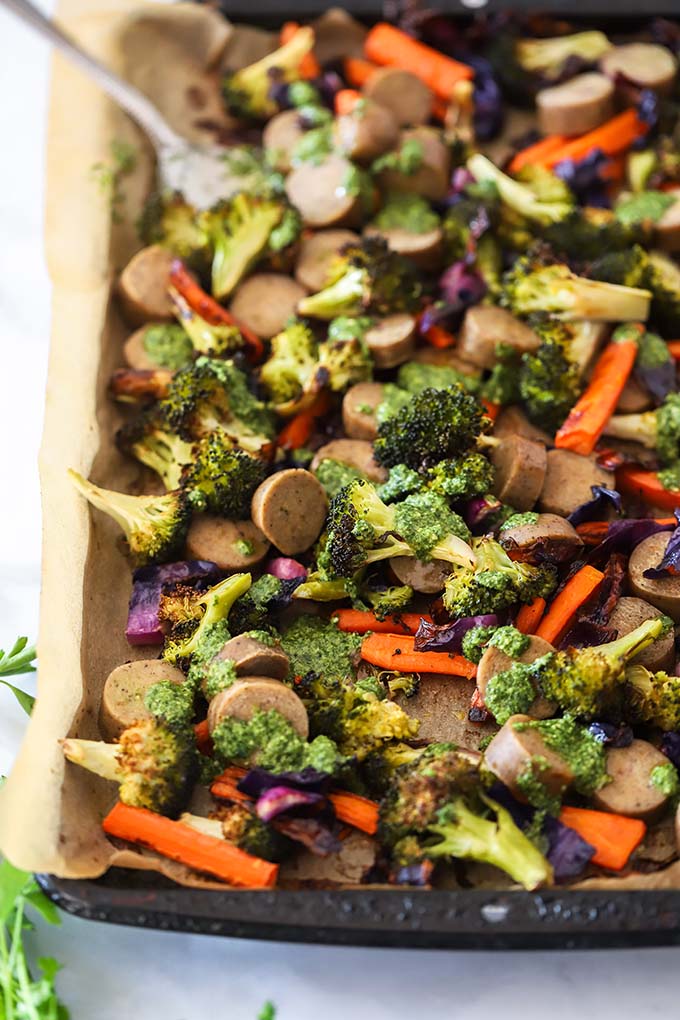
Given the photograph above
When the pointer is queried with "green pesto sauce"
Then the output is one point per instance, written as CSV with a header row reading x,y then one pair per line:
x,y
475,641
213,638
168,345
349,327
360,183
317,646
270,741
335,475
517,520
511,692
303,93
244,547
511,641
529,782
219,675
424,520
172,702
583,753
670,477
405,160
407,212
313,147
402,481
263,636
647,205
665,779
394,400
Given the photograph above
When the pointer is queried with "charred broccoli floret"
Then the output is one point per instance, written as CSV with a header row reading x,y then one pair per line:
x,y
169,220
548,380
658,430
434,426
266,596
629,268
470,475
289,374
204,337
154,526
407,684
164,452
269,741
247,92
588,232
155,765
495,582
344,362
520,197
367,277
388,601
664,283
222,478
211,608
652,697
238,824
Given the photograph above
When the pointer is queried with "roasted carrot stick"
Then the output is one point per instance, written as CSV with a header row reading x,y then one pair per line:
x,y
297,431
358,71
388,45
309,65
635,481
391,651
359,621
576,591
206,306
674,348
357,811
528,618
537,151
203,739
613,836
181,843
492,410
612,138
345,101
591,412
437,336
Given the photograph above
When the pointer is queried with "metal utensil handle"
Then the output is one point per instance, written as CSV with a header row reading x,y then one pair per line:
x,y
127,96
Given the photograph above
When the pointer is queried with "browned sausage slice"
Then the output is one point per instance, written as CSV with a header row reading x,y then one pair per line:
x,y
408,98
391,340
484,327
358,453
446,356
431,179
337,35
366,132
123,696
358,410
425,248
549,538
509,756
667,230
568,481
316,257
634,398
253,693
664,592
290,508
512,421
143,286
631,791
280,136
427,578
520,466
252,657
495,661
644,65
232,545
135,352
266,301
575,106
629,613
321,192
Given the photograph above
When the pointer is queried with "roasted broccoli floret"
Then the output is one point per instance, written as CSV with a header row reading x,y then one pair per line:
x,y
154,764
367,277
267,740
212,608
164,452
467,222
404,211
388,601
402,481
344,362
549,381
168,345
290,373
238,824
664,283
520,197
658,430
266,596
203,337
432,530
629,268
652,697
222,478
586,233
407,684
247,92
154,526
169,220
471,475
434,426
495,582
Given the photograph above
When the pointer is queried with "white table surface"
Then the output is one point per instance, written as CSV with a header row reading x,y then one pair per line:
x,y
114,973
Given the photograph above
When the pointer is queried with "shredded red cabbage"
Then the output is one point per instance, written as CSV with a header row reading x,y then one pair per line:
x,y
595,507
279,799
143,626
670,564
448,638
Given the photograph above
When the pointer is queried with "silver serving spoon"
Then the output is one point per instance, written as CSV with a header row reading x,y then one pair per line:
x,y
199,172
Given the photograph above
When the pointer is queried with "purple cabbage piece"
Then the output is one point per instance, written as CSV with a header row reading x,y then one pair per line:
x,y
477,510
670,564
313,833
595,507
460,286
584,177
413,874
659,380
279,799
666,33
449,637
143,626
256,782
612,734
670,746
489,110
624,535
285,568
568,853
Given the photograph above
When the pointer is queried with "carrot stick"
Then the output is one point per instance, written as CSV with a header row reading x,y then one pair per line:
x,y
593,532
437,336
358,71
309,65
345,101
297,431
612,138
203,739
613,836
181,843
528,618
357,811
591,412
674,349
477,700
391,651
206,306
576,591
537,151
388,45
359,621
646,486
492,410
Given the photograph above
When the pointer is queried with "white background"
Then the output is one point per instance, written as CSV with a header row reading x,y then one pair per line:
x,y
113,973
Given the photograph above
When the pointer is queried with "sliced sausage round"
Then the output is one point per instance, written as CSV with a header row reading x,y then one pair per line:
x,y
667,229
631,791
124,692
431,179
495,661
290,508
644,65
629,613
321,194
266,301
575,106
316,256
549,538
391,340
512,421
427,578
358,410
406,96
143,286
519,466
280,136
338,35
425,248
252,657
357,453
366,132
484,327
232,545
258,693
568,480
509,757
634,398
664,592
448,357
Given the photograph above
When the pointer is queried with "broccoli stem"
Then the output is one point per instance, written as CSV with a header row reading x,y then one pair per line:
x,y
344,297
454,550
125,510
639,428
95,756
518,196
628,645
